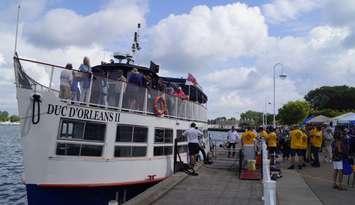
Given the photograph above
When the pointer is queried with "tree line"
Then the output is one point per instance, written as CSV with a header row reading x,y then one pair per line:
x,y
4,117
329,101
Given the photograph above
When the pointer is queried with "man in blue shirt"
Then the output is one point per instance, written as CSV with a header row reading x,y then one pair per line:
x,y
85,79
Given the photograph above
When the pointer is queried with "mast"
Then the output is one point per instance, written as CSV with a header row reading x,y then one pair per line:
x,y
17,23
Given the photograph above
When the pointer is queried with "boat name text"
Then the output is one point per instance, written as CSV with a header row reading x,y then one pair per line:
x,y
83,113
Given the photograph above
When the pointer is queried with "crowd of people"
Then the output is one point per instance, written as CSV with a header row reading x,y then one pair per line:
x,y
301,146
106,87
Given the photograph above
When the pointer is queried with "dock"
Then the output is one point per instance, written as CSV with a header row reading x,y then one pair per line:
x,y
217,183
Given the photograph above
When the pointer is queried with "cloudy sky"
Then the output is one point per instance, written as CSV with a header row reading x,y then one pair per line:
x,y
229,46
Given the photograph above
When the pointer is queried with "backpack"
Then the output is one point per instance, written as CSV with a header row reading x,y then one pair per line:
x,y
347,169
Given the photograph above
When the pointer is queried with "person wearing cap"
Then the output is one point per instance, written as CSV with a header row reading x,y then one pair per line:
x,y
316,143
271,141
248,137
192,136
232,139
66,79
296,136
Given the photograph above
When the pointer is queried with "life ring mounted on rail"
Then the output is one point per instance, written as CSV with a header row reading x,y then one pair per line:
x,y
160,108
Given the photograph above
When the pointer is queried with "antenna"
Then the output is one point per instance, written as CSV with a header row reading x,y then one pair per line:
x,y
17,22
136,45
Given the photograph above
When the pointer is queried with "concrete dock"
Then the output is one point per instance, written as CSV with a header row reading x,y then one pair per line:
x,y
217,183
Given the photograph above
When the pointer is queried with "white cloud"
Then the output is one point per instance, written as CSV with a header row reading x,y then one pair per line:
x,y
206,34
284,10
63,27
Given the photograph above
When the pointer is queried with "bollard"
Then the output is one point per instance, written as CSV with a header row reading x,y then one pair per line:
x,y
113,202
269,192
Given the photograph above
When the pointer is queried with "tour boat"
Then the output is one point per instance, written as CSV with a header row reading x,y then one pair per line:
x,y
111,146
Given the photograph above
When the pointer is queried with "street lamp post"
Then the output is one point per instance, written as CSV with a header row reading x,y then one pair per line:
x,y
282,76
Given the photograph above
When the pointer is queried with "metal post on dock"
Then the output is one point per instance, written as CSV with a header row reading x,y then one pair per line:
x,y
175,153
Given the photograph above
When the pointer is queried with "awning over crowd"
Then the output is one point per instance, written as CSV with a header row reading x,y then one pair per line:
x,y
320,119
345,118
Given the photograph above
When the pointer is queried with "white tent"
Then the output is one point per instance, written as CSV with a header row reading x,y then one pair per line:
x,y
346,118
320,119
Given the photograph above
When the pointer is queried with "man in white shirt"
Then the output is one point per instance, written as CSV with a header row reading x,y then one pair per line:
x,y
192,135
232,139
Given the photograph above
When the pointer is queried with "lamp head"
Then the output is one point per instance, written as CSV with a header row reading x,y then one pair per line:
x,y
283,76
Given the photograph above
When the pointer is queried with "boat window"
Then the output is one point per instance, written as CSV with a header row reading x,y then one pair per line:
x,y
163,135
180,136
182,148
81,138
130,133
140,134
70,149
130,151
163,150
82,130
124,133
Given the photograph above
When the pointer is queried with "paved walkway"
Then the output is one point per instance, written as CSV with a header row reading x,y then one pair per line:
x,y
312,186
216,184
320,181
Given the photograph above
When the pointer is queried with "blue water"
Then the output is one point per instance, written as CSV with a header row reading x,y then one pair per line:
x,y
12,190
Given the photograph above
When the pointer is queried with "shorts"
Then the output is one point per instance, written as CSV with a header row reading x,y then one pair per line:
x,y
194,148
338,165
299,152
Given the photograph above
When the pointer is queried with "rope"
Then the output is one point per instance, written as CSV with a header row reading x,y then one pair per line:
x,y
36,100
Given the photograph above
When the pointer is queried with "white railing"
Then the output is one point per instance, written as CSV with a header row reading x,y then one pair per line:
x,y
119,94
269,186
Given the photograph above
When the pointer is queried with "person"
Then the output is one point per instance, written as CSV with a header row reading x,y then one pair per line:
x,y
75,91
338,156
232,139
248,137
202,148
316,143
271,141
66,79
85,79
135,93
192,136
180,94
296,143
328,141
262,133
303,147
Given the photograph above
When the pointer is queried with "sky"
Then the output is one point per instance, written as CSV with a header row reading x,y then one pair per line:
x,y
229,46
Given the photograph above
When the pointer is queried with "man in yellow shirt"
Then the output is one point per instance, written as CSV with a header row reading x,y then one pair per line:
x,y
296,147
316,143
304,146
262,133
271,141
248,137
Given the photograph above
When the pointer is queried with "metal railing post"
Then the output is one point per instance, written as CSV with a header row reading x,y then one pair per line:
x,y
90,88
120,102
51,78
145,107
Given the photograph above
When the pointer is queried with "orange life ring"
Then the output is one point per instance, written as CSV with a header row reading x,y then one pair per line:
x,y
160,106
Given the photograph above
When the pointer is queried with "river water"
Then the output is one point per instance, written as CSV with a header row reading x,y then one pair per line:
x,y
12,190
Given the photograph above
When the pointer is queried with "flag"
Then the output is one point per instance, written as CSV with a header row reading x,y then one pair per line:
x,y
190,80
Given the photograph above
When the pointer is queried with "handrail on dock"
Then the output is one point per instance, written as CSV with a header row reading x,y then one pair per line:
x,y
269,186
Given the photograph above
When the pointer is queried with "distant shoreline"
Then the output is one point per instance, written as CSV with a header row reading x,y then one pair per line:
x,y
9,123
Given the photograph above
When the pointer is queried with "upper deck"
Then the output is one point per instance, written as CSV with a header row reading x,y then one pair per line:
x,y
109,89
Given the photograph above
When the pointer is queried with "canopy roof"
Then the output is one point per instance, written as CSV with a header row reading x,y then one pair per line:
x,y
345,118
320,119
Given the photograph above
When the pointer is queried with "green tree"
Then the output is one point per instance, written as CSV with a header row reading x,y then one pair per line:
x,y
4,116
293,112
14,118
332,97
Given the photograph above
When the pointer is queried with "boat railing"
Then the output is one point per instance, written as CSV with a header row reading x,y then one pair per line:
x,y
102,90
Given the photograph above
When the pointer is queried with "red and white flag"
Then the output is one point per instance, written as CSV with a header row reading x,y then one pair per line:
x,y
190,80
